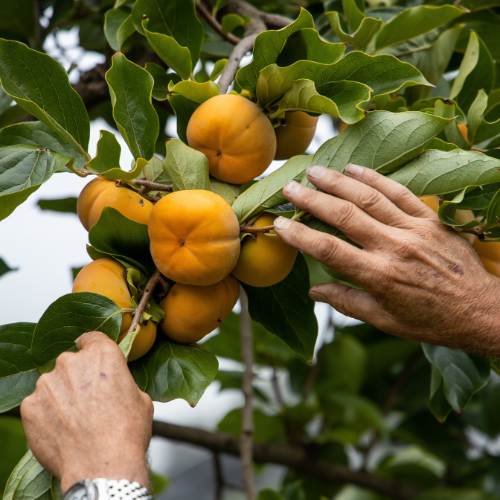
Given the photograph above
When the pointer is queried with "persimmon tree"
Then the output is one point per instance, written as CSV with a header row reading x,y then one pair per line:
x,y
415,89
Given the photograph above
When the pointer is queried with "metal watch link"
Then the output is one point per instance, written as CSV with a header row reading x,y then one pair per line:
x,y
104,489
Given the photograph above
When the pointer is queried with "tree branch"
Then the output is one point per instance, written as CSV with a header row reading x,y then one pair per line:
x,y
215,24
246,447
151,186
275,20
153,281
294,457
251,229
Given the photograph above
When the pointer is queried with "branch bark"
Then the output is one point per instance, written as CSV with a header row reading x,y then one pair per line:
x,y
246,447
215,24
151,186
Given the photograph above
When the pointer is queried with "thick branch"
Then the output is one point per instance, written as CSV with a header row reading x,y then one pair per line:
x,y
293,457
275,20
246,448
215,24
153,281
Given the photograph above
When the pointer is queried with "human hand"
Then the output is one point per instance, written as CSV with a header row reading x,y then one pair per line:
x,y
87,418
420,279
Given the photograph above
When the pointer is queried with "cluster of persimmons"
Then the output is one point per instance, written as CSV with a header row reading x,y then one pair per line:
x,y
195,236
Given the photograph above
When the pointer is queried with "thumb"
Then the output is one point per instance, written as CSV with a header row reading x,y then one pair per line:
x,y
93,338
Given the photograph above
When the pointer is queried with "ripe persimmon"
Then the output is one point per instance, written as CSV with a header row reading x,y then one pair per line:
x,y
463,130
489,253
294,137
235,135
143,342
100,193
191,312
194,237
264,260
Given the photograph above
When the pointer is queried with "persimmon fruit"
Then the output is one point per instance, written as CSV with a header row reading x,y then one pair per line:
x,y
194,237
294,137
191,312
105,277
489,253
463,130
264,260
100,193
235,135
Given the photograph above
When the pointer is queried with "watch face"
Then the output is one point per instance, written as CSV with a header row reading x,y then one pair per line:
x,y
79,491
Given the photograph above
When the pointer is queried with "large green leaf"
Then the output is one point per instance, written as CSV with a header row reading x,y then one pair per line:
x,y
267,48
363,34
185,97
28,481
171,371
476,72
38,134
187,167
383,141
23,169
118,26
65,205
439,172
383,74
18,373
130,87
14,447
69,317
116,235
463,373
162,80
40,85
286,310
174,18
414,22
268,192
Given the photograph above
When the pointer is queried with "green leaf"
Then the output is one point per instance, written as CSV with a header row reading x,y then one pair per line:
x,y
375,142
447,210
343,99
476,72
218,69
493,213
4,268
67,205
154,172
218,4
117,236
268,192
306,44
267,48
231,21
479,128
463,373
414,22
38,134
476,113
162,80
439,172
185,97
187,167
18,373
448,109
480,4
171,371
170,52
69,317
384,74
28,481
14,447
286,310
438,404
480,198
173,18
23,169
18,18
352,13
130,87
368,28
269,495
46,94
118,26
228,191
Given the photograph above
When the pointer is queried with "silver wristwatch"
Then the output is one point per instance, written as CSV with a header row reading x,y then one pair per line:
x,y
104,489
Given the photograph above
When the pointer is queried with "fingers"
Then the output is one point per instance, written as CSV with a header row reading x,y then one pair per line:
x,y
354,303
333,252
90,339
344,215
395,192
368,199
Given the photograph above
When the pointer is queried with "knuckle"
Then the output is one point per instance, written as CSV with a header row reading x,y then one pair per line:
x,y
42,381
405,248
403,194
326,249
368,198
64,360
345,213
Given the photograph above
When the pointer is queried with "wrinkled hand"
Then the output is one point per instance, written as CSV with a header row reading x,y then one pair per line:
x,y
420,279
87,418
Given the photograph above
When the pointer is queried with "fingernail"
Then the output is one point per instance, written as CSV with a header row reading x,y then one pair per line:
x,y
317,297
315,171
354,170
292,187
282,223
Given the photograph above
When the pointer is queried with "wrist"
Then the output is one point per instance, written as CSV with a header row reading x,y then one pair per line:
x,y
132,468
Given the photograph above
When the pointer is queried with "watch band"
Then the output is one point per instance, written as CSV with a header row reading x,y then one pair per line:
x,y
106,489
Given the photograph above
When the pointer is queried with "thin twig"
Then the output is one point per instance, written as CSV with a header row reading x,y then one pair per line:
x,y
219,477
250,229
246,450
215,24
151,186
143,304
